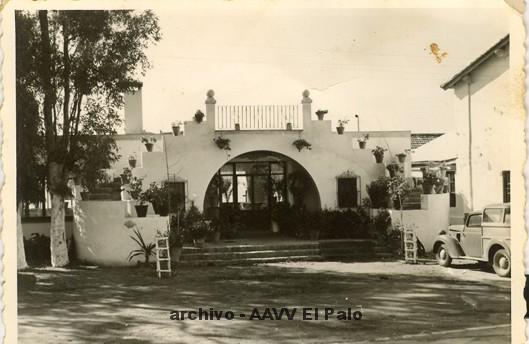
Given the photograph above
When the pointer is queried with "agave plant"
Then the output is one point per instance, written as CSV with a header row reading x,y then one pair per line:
x,y
145,249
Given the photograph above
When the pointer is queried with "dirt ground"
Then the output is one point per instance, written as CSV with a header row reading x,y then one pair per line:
x,y
400,304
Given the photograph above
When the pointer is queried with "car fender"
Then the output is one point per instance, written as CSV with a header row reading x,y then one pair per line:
x,y
452,245
496,242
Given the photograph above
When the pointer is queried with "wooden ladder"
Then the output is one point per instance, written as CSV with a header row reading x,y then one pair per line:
x,y
410,246
163,257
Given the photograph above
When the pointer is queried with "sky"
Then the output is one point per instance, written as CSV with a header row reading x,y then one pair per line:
x,y
377,63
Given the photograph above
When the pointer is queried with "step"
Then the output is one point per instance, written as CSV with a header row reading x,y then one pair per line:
x,y
250,247
250,261
248,254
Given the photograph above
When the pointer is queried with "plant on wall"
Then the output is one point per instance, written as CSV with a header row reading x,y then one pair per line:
x,y
362,141
341,126
148,142
199,116
378,152
222,142
302,143
321,113
401,157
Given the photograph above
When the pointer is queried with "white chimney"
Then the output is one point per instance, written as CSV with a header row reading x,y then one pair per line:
x,y
133,111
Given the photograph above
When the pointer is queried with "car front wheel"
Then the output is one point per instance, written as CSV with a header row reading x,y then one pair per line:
x,y
443,258
501,263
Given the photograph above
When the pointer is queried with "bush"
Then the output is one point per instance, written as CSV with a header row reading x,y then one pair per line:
x,y
347,224
378,192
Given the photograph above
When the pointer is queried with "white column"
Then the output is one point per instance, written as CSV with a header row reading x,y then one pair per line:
x,y
210,109
307,109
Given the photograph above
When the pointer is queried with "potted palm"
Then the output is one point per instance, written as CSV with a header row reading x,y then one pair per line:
x,y
321,114
199,116
148,142
378,153
341,126
132,161
176,128
362,141
401,157
147,250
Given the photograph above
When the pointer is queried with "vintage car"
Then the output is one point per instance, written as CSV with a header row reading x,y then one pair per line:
x,y
485,237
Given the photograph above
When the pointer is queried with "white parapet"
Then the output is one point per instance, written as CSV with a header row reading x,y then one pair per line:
x,y
100,234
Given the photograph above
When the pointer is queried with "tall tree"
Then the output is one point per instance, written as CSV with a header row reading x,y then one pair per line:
x,y
83,62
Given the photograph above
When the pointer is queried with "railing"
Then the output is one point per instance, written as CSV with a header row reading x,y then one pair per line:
x,y
258,117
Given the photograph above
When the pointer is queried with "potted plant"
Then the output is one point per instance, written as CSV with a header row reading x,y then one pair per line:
x,y
237,126
401,157
176,128
147,250
85,195
429,179
199,231
199,116
321,113
393,169
362,141
302,143
378,152
222,142
132,161
149,142
137,194
125,176
340,128
289,126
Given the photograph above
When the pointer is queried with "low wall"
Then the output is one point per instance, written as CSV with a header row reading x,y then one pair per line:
x,y
433,217
102,238
42,226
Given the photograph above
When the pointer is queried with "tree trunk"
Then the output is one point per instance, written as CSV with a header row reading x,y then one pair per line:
x,y
21,254
58,246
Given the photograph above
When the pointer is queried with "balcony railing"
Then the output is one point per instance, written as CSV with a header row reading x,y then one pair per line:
x,y
258,117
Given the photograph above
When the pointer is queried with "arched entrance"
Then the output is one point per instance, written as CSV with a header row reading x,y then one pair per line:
x,y
251,184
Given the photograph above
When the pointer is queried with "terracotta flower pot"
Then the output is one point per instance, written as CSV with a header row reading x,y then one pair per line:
x,y
402,158
141,210
320,116
289,126
379,158
427,188
132,163
237,126
340,130
149,146
176,130
362,144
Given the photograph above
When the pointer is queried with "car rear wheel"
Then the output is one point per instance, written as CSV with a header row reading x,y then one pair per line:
x,y
443,258
501,263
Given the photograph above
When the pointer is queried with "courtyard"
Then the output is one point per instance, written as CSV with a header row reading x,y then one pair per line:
x,y
400,304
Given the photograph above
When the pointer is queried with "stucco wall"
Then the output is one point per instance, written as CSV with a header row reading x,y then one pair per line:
x,y
489,107
429,220
43,228
101,236
195,158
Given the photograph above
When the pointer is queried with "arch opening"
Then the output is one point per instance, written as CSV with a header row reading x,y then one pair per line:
x,y
250,185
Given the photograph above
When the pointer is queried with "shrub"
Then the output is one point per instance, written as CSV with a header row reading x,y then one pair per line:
x,y
37,249
378,192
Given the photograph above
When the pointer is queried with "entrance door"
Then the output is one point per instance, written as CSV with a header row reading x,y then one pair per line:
x,y
250,188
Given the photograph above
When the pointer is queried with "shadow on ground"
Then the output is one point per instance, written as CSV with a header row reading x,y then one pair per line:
x,y
130,305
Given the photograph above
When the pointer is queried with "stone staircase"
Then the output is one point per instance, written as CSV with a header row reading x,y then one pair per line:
x,y
247,254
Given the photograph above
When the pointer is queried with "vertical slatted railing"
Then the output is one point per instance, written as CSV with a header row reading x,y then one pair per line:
x,y
258,117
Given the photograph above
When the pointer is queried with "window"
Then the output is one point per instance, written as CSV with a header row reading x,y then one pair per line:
x,y
474,220
177,195
493,215
348,192
506,186
452,187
